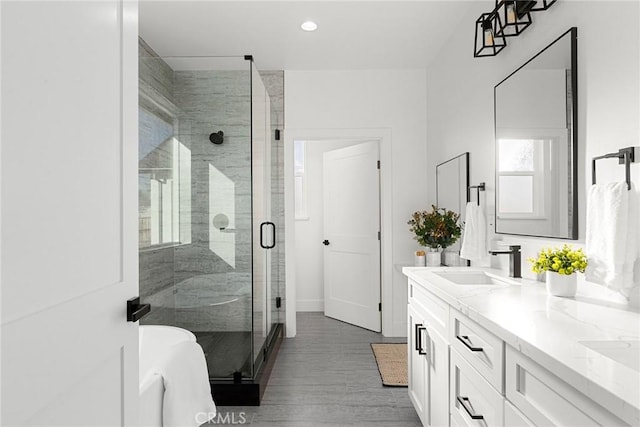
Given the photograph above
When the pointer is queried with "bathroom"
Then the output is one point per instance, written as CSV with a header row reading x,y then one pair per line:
x,y
424,111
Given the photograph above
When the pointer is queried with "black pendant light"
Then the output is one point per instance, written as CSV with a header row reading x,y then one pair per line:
x,y
545,4
508,19
488,41
515,16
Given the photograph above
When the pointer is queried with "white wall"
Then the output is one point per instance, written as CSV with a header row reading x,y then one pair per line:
x,y
390,100
460,95
309,249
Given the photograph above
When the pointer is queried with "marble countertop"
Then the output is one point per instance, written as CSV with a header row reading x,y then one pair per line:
x,y
551,331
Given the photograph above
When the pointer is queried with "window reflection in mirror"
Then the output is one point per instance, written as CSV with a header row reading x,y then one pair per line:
x,y
535,118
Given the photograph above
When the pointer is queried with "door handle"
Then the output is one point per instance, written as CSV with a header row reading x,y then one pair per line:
x,y
464,401
416,335
273,243
464,339
325,242
135,310
419,329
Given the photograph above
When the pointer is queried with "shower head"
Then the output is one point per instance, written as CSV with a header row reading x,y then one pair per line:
x,y
217,137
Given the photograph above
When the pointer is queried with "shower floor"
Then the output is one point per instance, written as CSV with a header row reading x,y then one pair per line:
x,y
226,353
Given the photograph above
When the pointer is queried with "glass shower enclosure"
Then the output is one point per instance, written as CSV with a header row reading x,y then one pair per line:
x,y
208,164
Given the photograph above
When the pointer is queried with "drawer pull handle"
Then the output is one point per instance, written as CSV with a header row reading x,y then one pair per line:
x,y
464,401
419,329
417,335
464,339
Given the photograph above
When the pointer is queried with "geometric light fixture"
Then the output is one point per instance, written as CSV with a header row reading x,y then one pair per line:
x,y
546,4
515,16
489,41
509,18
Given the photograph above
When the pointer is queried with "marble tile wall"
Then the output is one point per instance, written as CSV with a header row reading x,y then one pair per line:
x,y
212,101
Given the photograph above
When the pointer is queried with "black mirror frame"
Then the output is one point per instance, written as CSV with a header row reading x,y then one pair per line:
x,y
573,231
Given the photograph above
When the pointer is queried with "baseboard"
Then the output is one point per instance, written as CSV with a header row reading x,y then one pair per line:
x,y
310,305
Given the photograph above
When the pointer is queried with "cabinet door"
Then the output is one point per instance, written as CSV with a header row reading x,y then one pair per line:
x,y
438,386
418,374
547,400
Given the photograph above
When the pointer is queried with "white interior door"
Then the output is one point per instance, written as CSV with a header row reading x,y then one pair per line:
x,y
69,256
351,199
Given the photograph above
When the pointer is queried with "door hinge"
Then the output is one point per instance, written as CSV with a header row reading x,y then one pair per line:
x,y
278,302
378,164
378,235
379,306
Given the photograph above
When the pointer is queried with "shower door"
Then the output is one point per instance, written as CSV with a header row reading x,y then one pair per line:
x,y
263,227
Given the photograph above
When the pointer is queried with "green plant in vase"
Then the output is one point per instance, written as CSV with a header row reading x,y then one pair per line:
x,y
560,266
435,229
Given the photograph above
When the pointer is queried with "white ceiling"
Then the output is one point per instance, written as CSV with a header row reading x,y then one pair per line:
x,y
350,35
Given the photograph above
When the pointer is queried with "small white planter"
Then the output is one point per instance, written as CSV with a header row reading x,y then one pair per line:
x,y
434,258
561,285
420,260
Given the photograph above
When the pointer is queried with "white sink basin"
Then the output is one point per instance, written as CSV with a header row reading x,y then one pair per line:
x,y
626,352
471,278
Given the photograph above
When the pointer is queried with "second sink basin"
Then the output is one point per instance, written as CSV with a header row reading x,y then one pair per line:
x,y
471,278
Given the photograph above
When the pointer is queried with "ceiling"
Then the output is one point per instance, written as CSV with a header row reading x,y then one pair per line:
x,y
350,35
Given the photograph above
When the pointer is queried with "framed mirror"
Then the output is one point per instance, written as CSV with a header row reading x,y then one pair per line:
x,y
452,183
536,144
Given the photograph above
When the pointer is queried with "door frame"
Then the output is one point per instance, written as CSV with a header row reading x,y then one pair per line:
x,y
383,136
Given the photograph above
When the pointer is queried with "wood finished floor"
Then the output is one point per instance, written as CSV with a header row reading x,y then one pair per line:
x,y
327,376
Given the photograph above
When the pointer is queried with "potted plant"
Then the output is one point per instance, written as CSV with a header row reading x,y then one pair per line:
x,y
560,266
435,229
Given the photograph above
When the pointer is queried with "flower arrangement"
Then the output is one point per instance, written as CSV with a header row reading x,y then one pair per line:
x,y
438,228
565,261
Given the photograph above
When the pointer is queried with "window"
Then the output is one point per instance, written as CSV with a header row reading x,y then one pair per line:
x,y
162,183
300,187
521,177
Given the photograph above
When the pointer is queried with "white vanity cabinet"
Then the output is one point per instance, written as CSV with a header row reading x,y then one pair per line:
x,y
462,373
428,356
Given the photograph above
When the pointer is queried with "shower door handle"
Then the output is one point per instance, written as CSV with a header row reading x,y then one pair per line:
x,y
273,234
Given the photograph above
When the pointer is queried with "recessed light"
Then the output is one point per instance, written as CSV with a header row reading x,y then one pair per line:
x,y
309,26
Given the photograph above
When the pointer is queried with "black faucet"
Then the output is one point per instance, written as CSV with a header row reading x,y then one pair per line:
x,y
515,262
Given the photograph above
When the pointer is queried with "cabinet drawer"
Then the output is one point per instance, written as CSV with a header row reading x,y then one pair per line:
x,y
434,310
515,418
547,400
483,350
473,401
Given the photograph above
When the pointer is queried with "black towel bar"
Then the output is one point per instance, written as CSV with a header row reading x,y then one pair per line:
x,y
480,187
625,157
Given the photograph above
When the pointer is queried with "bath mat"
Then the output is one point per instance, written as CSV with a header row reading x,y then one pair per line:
x,y
392,363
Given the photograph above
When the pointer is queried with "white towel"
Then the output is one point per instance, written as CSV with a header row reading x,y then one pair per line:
x,y
474,239
187,396
611,240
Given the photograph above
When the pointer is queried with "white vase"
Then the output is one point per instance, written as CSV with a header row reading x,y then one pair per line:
x,y
561,285
451,259
420,260
434,258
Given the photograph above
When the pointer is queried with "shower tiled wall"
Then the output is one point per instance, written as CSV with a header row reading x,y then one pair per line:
x,y
212,101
